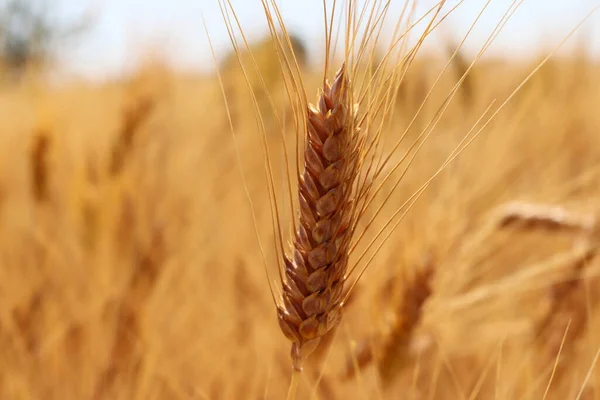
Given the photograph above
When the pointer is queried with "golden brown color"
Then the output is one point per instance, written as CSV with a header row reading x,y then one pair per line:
x,y
148,284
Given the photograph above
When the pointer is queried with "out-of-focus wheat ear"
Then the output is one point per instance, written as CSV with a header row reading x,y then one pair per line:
x,y
396,350
40,165
391,348
549,217
135,112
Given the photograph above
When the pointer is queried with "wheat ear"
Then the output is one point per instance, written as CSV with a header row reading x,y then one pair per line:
x,y
391,348
39,155
313,284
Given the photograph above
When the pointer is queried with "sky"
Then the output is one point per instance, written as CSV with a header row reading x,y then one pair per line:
x,y
123,31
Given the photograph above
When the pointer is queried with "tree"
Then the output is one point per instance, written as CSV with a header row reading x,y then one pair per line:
x,y
30,35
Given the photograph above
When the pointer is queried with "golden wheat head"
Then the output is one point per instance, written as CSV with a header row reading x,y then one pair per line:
x,y
313,286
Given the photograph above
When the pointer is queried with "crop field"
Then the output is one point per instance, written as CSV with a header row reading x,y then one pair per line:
x,y
139,255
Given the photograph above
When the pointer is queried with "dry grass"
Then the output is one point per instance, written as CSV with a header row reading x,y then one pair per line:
x,y
130,269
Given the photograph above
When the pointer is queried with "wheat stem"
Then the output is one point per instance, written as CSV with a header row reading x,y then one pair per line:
x,y
294,384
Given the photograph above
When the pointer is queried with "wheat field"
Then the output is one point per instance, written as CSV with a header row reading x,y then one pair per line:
x,y
130,267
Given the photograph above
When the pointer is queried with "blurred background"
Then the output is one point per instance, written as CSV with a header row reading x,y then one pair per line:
x,y
129,260
105,38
